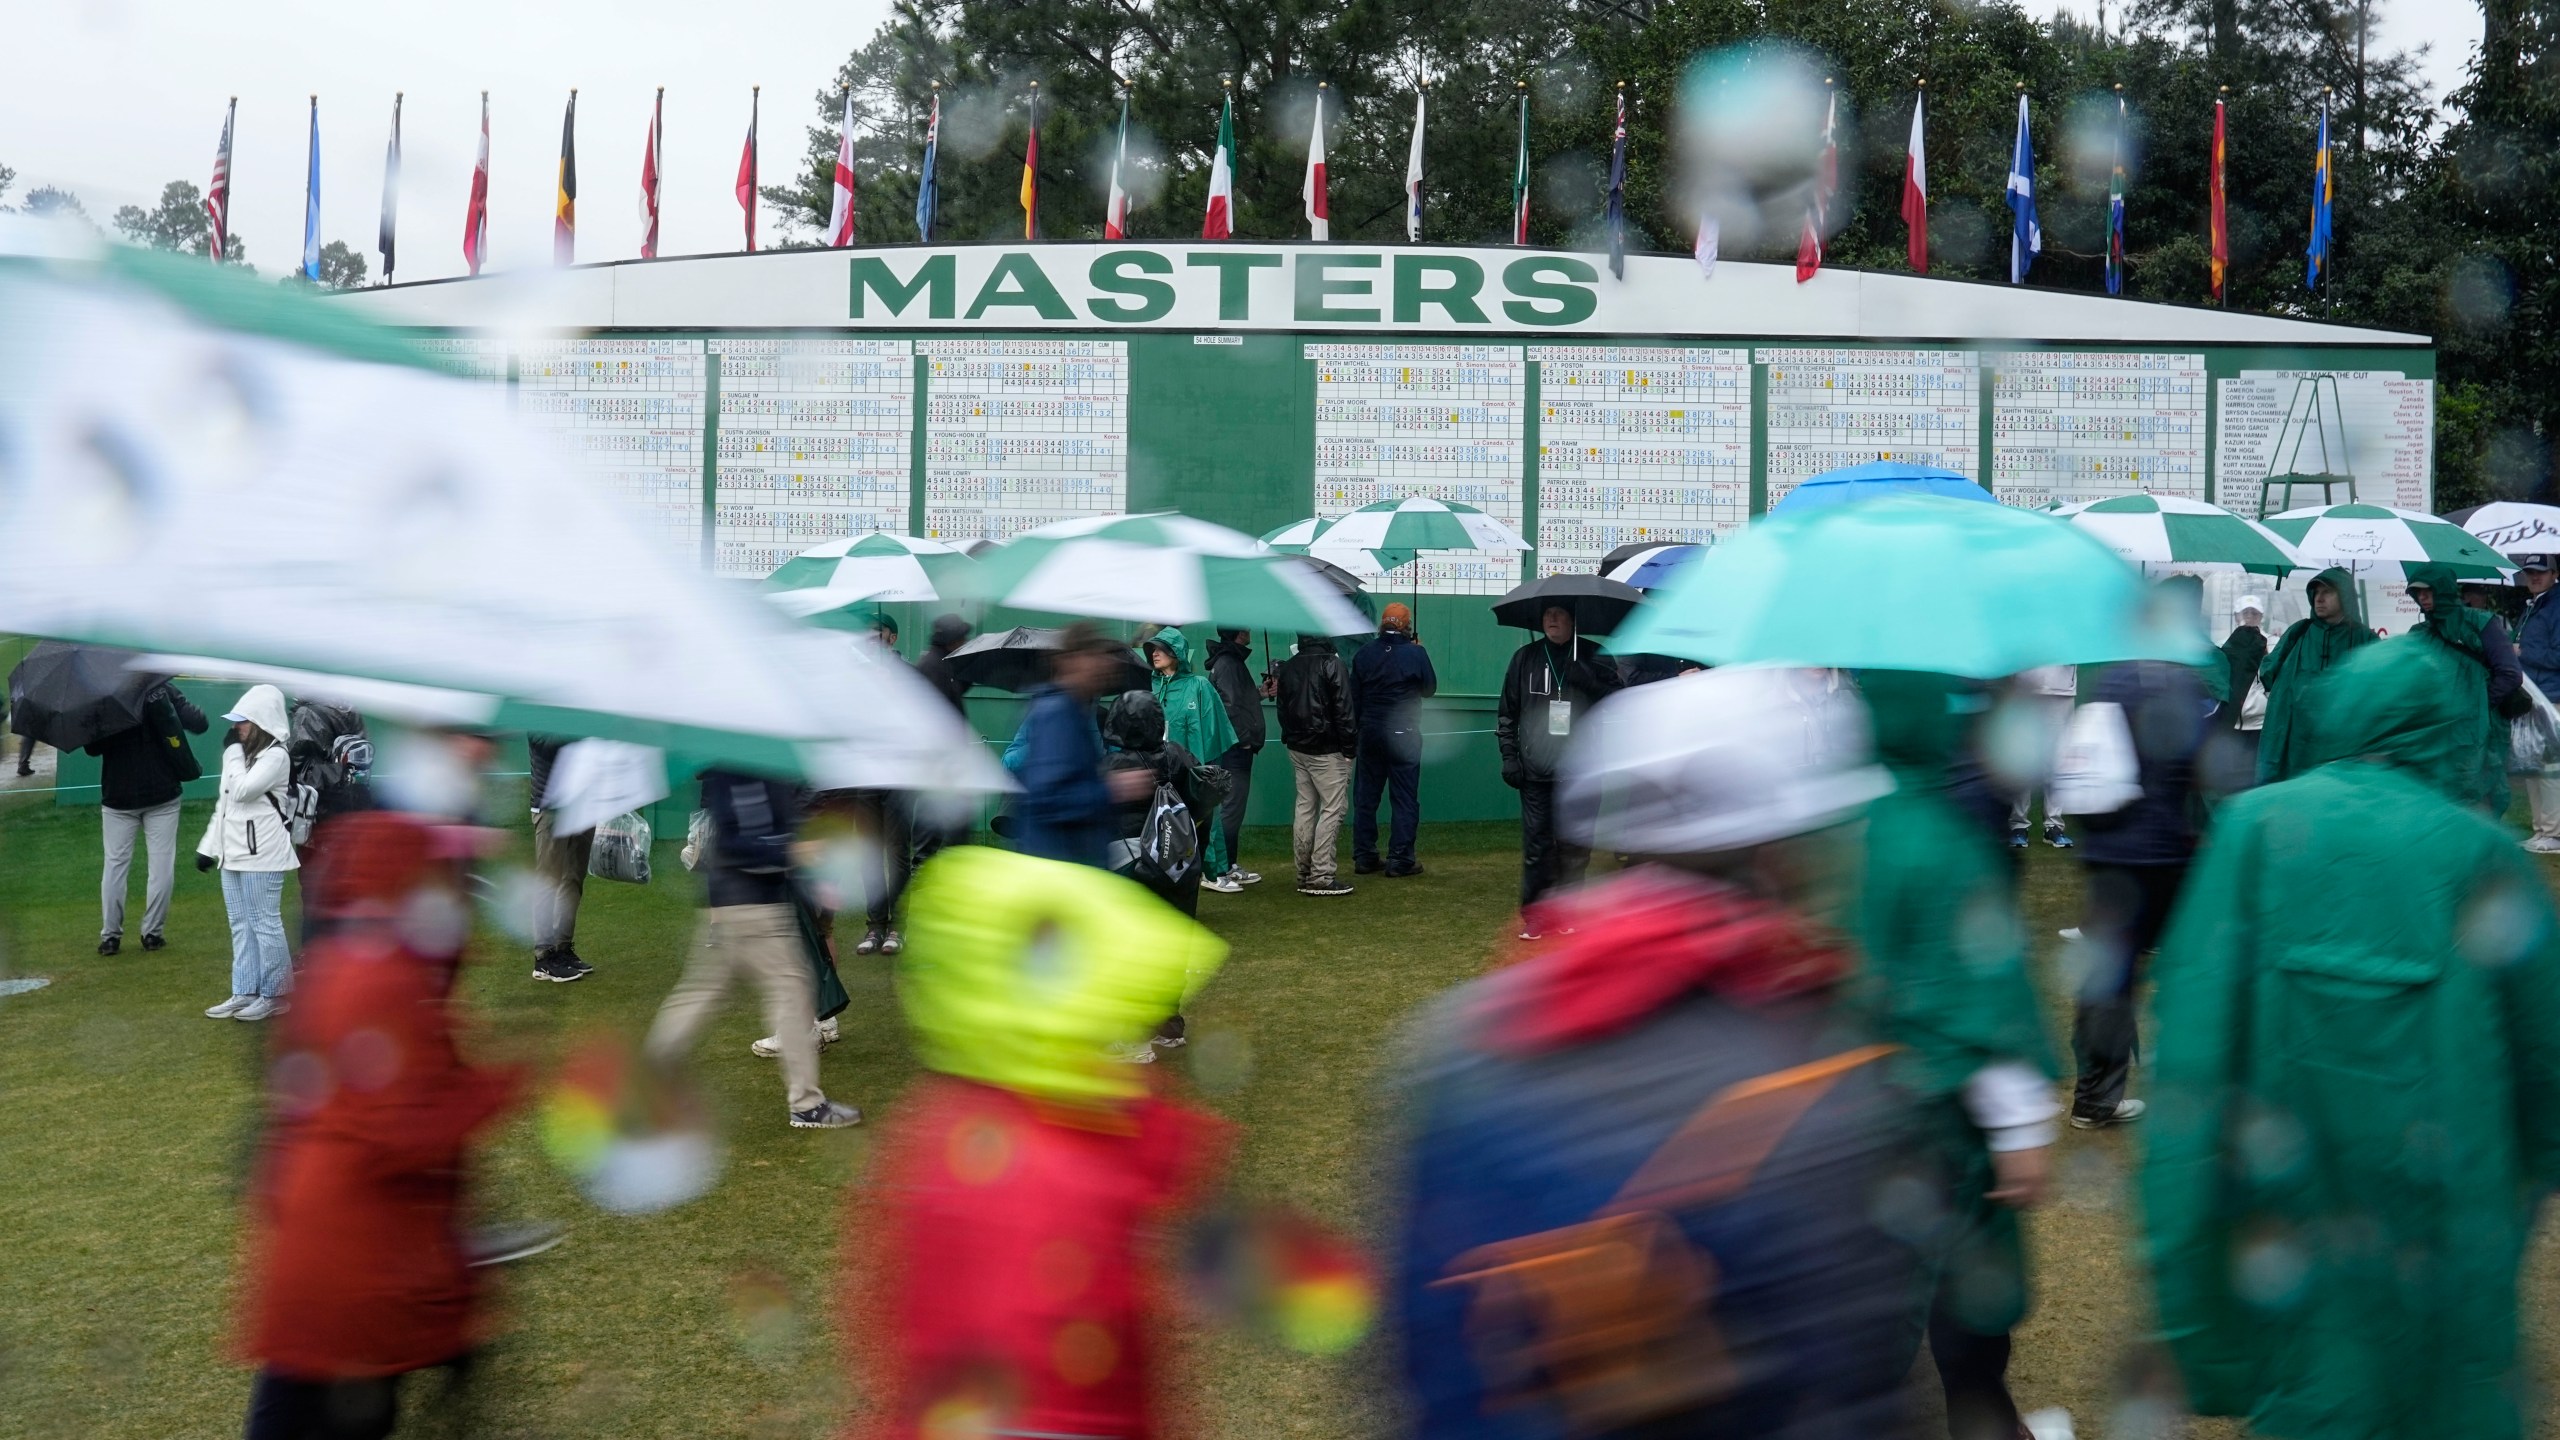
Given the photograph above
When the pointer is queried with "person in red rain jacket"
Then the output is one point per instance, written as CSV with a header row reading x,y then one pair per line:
x,y
358,1269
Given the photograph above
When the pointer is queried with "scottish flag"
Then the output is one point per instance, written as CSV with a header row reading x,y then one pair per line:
x,y
2026,237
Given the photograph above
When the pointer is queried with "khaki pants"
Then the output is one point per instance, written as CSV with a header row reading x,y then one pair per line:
x,y
560,863
761,942
2543,792
1315,828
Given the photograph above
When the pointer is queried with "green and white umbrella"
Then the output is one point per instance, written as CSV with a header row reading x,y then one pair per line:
x,y
2173,530
2360,537
831,584
1415,523
1299,537
201,463
1166,568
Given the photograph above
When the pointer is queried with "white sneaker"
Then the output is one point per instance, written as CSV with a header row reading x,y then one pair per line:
x,y
230,1007
1223,884
2544,845
2049,1424
261,1007
1242,876
771,1046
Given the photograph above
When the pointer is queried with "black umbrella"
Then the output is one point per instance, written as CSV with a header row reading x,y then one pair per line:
x,y
71,695
1018,660
1599,606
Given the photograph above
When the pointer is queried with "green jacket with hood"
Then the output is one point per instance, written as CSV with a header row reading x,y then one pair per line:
x,y
1946,975
2356,1083
2464,632
2309,650
1195,718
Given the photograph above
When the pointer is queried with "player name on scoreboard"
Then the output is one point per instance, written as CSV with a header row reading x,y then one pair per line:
x,y
1021,433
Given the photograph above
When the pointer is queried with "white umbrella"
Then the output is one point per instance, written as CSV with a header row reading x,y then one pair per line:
x,y
1164,567
2513,527
2357,535
196,461
1417,522
826,583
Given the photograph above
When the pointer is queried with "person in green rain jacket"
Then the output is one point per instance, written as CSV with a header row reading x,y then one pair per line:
x,y
2356,1086
2489,662
1195,718
1946,977
2311,647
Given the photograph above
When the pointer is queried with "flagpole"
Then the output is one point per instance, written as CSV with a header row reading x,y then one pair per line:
x,y
388,241
1520,174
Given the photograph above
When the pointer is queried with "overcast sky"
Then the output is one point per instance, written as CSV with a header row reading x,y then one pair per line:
x,y
112,99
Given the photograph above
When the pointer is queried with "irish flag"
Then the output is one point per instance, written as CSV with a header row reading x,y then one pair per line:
x,y
1115,209
1915,193
1221,220
1311,190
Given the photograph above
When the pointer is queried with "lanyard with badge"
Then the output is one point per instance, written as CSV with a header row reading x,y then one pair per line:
x,y
1559,708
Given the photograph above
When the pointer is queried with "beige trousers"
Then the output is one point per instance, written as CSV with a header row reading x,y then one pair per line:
x,y
1324,797
761,942
2543,791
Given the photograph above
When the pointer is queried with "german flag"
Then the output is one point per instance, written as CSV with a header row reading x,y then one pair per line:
x,y
564,215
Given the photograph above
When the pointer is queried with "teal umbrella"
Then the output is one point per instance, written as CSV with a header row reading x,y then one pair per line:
x,y
1915,582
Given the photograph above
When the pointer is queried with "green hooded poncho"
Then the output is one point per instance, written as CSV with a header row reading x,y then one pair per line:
x,y
1946,969
2356,1082
2459,628
1195,718
2309,650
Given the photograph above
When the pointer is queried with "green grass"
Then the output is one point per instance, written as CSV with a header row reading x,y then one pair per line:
x,y
126,1120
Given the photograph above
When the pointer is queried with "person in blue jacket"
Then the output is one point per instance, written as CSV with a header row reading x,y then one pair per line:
x,y
1065,810
1390,678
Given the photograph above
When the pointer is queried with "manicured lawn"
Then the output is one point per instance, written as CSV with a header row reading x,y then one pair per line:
x,y
126,1119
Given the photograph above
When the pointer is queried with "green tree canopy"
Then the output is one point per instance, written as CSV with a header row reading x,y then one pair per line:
x,y
178,222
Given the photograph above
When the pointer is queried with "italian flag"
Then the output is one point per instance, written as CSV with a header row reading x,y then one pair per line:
x,y
1520,176
1115,210
1221,220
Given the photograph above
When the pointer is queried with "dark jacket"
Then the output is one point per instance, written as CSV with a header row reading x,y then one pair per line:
x,y
2538,641
1541,674
2164,707
1134,732
132,771
2244,650
1237,686
1315,700
1390,678
935,666
543,752
317,728
753,821
1064,810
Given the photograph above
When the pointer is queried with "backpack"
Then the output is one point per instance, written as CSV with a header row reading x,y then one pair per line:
x,y
297,807
1167,844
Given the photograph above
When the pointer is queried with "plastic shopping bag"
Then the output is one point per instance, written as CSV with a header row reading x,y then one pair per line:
x,y
2534,741
2095,770
621,850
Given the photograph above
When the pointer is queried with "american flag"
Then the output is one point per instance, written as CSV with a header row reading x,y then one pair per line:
x,y
217,196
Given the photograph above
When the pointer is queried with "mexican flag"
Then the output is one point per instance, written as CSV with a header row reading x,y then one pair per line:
x,y
1221,221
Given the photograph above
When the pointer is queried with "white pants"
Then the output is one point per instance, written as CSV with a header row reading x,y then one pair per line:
x,y
158,827
2543,792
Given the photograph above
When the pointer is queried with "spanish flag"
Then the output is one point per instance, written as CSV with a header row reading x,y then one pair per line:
x,y
564,213
1031,172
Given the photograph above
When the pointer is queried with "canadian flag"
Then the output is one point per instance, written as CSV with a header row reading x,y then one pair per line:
x,y
840,224
1915,194
1220,222
1319,213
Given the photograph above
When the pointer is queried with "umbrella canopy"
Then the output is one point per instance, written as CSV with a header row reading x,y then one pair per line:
x,y
1599,605
1018,660
1299,538
1401,527
71,695
831,584
1944,585
1648,567
1167,568
202,463
1877,477
2173,530
2360,536
2512,527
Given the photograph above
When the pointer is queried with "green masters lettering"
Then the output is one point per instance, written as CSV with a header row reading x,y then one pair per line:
x,y
1017,281
1457,298
1235,283
1110,274
932,280
1315,286
1571,288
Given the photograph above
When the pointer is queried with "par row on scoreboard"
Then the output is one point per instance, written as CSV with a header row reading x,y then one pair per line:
x,y
1583,447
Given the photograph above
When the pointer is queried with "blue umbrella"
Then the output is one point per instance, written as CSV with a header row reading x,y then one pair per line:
x,y
1647,567
1877,477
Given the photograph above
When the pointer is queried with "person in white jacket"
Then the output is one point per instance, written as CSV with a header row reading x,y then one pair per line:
x,y
253,845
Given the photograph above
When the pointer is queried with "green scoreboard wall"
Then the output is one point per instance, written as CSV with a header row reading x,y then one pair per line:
x,y
751,444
